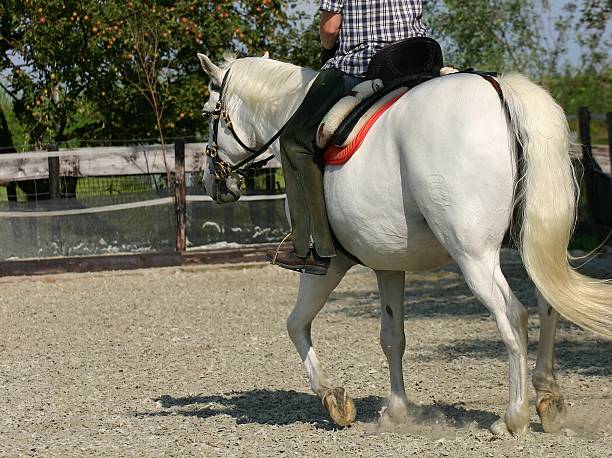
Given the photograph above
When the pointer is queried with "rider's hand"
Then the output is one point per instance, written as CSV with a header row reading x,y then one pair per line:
x,y
327,54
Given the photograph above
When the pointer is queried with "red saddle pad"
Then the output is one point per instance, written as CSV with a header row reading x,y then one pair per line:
x,y
336,155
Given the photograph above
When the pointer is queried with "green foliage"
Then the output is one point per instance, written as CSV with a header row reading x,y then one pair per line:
x,y
529,37
96,69
572,91
502,34
17,129
591,35
301,45
115,69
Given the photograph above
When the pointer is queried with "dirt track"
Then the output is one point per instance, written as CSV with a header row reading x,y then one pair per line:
x,y
197,362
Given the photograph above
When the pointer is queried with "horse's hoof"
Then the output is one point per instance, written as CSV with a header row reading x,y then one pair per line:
x,y
552,411
499,428
393,415
339,406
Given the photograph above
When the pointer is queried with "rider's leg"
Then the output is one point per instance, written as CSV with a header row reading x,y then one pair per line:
x,y
303,171
304,188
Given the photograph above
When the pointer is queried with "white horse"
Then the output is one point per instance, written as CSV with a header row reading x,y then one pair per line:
x,y
436,179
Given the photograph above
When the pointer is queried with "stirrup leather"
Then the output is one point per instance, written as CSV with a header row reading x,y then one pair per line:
x,y
287,237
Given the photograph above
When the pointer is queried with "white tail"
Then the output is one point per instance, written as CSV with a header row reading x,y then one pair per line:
x,y
547,204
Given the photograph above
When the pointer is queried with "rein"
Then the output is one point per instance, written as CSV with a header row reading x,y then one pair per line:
x,y
222,168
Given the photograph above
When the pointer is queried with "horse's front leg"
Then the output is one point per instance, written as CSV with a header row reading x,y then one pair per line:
x,y
313,293
393,340
549,401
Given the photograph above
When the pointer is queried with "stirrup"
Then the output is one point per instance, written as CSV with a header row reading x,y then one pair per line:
x,y
287,237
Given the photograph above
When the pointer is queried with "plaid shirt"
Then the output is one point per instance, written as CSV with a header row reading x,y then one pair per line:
x,y
369,25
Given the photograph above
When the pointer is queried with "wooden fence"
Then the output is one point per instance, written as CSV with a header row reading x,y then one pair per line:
x,y
597,171
175,161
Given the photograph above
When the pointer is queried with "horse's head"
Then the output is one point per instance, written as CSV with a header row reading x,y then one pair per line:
x,y
224,139
250,101
221,184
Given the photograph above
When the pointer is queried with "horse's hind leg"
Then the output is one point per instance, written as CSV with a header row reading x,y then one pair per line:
x,y
313,293
486,280
549,401
393,340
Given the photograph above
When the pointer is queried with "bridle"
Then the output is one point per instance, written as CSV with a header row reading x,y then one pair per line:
x,y
222,168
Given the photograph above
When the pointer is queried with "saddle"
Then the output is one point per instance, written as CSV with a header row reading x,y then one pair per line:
x,y
391,73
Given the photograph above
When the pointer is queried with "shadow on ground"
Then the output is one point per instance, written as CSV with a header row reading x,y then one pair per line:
x,y
433,295
279,407
269,407
589,358
445,293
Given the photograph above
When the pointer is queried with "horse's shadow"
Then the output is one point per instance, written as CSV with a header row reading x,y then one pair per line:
x,y
261,406
281,408
590,357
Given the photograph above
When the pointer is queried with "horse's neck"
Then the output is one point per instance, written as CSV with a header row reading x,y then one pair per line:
x,y
267,117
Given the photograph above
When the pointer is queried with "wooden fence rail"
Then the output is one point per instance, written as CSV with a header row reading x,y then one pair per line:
x,y
102,161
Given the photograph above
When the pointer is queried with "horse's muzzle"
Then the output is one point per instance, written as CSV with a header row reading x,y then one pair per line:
x,y
228,191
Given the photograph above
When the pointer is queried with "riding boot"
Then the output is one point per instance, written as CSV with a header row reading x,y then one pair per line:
x,y
303,170
304,188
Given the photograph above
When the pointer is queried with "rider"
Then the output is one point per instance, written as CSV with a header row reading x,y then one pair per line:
x,y
351,32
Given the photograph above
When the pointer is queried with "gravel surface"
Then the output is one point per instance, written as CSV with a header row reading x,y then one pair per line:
x,y
197,362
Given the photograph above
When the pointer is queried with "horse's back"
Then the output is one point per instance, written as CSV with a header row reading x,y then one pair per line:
x,y
434,174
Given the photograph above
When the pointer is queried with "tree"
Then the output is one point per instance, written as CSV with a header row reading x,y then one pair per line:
x,y
591,35
522,35
76,70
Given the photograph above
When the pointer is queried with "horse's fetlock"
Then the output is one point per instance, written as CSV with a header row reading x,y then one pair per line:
x,y
517,419
544,382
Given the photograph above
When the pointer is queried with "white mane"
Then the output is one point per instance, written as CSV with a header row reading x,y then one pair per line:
x,y
267,87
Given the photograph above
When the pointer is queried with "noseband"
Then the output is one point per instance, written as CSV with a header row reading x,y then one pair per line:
x,y
222,168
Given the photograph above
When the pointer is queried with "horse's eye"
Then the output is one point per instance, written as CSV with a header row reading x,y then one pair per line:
x,y
206,113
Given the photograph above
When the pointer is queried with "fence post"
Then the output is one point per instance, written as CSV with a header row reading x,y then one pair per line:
x,y
609,121
54,179
180,195
584,118
271,204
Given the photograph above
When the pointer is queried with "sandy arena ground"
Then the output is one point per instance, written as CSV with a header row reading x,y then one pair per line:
x,y
197,362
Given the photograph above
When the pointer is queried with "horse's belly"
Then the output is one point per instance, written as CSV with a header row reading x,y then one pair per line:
x,y
378,221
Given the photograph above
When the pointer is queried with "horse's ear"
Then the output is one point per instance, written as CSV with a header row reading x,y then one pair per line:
x,y
211,69
266,55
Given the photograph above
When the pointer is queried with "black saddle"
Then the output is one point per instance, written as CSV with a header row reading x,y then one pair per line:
x,y
408,63
412,56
